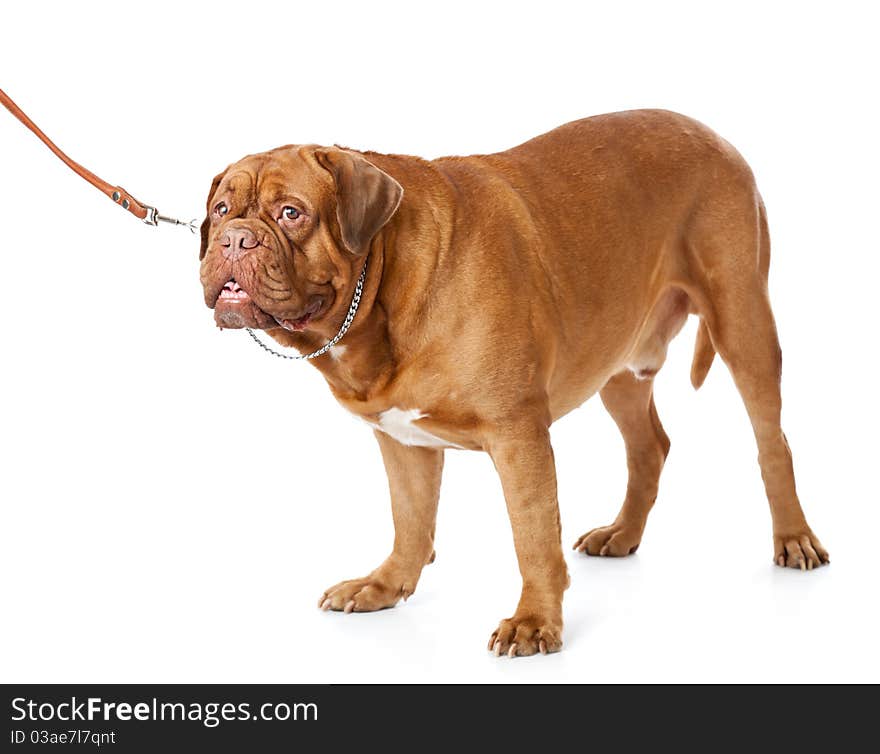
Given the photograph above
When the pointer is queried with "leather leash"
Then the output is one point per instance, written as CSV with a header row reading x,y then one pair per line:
x,y
150,215
146,213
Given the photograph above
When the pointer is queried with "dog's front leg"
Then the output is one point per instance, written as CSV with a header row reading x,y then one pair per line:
x,y
414,481
524,459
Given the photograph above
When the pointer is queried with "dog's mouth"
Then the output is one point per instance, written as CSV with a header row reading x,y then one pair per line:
x,y
235,308
302,322
232,291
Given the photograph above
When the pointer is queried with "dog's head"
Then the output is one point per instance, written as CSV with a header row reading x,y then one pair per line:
x,y
286,233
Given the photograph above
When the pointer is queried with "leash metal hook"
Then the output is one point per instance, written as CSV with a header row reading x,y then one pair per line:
x,y
154,218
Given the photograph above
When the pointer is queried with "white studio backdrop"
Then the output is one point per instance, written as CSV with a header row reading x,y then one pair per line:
x,y
174,501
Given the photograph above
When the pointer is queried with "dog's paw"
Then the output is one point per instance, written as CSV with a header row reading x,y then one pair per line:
x,y
374,592
527,634
616,541
799,550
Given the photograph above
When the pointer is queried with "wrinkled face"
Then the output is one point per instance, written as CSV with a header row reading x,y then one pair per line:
x,y
285,235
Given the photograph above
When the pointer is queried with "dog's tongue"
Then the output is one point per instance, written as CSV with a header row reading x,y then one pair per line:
x,y
294,325
300,324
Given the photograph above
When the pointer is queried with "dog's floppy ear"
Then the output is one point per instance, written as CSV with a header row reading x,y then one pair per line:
x,y
366,197
206,223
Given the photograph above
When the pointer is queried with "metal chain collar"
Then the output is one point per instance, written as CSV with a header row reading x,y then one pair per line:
x,y
349,318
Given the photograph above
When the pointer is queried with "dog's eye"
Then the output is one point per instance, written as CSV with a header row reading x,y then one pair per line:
x,y
290,213
221,209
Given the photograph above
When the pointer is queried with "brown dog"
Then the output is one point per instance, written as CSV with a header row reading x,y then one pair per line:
x,y
501,292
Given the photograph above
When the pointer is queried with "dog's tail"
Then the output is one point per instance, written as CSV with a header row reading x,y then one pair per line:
x,y
704,354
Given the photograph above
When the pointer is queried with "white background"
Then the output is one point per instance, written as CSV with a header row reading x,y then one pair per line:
x,y
174,501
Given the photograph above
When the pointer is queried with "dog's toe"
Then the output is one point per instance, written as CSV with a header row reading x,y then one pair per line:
x,y
616,541
374,592
525,636
800,550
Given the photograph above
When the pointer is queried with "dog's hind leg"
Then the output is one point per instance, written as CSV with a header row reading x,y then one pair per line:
x,y
734,258
630,401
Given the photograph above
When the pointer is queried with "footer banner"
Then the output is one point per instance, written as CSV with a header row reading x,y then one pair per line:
x,y
257,718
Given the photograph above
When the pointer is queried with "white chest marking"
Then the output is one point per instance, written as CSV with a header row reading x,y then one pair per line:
x,y
337,352
399,424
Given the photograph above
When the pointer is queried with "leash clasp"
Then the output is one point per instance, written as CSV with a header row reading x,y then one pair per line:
x,y
154,218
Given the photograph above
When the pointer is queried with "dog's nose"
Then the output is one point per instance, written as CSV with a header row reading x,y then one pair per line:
x,y
236,242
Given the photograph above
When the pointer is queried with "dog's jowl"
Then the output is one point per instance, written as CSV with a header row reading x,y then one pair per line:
x,y
501,291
